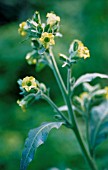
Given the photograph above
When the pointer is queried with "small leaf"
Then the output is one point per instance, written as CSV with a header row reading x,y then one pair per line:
x,y
40,66
98,124
88,78
47,27
65,108
36,17
36,137
63,57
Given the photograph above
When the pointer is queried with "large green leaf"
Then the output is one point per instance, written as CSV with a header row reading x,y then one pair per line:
x,y
88,78
36,137
98,124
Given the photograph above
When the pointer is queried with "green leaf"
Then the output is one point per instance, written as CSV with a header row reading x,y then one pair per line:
x,y
40,66
36,137
36,17
63,57
47,27
98,124
88,78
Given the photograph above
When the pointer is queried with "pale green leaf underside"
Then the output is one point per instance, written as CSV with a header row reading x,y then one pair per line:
x,y
98,124
36,137
88,78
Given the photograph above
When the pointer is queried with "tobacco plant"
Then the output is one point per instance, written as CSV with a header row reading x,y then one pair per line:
x,y
92,104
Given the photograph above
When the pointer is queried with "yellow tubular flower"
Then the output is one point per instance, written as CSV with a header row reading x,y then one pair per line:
x,y
52,18
106,95
22,104
22,27
29,83
81,51
47,39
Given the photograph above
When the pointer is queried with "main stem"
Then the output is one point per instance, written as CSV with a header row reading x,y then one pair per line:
x,y
71,114
60,81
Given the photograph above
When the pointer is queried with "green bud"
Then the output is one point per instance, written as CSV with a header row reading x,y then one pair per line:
x,y
36,17
42,87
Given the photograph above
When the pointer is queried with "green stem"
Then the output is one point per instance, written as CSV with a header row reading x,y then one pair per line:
x,y
58,76
68,79
56,109
71,114
59,80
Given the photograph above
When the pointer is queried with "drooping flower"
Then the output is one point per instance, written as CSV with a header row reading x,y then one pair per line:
x,y
47,39
22,104
79,49
22,28
29,83
52,19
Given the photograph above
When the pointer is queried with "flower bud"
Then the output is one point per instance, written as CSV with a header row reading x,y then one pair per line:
x,y
22,28
30,58
22,104
42,87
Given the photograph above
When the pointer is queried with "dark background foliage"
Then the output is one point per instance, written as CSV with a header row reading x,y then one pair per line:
x,y
86,20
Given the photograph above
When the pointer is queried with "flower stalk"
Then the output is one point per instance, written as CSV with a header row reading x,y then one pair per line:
x,y
72,116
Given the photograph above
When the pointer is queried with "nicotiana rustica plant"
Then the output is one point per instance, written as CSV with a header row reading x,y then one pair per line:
x,y
92,104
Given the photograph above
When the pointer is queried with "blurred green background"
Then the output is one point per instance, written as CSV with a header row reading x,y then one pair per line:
x,y
86,20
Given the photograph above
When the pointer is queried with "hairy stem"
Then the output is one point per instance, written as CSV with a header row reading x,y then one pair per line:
x,y
72,116
59,81
68,80
53,105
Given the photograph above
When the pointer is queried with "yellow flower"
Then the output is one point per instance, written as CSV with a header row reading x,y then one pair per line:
x,y
81,51
106,94
22,27
47,39
52,18
22,104
84,95
29,83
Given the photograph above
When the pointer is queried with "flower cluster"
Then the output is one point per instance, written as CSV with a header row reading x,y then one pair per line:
x,y
43,32
31,89
77,51
91,96
42,36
